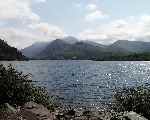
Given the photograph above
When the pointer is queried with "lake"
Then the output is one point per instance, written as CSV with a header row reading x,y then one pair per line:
x,y
85,83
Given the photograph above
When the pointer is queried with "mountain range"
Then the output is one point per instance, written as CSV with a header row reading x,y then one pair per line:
x,y
72,48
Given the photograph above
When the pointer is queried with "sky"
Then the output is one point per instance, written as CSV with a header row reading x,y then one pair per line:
x,y
24,22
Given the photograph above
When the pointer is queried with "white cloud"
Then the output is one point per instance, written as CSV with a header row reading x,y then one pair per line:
x,y
47,30
131,28
20,26
95,15
21,38
40,1
17,37
17,10
91,7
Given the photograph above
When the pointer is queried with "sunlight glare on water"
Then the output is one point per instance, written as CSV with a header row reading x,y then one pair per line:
x,y
85,83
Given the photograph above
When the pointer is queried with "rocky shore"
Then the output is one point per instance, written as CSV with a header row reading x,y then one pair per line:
x,y
34,111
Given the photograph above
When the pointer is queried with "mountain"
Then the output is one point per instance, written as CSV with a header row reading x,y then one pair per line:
x,y
95,44
54,50
132,46
60,49
70,40
9,53
34,49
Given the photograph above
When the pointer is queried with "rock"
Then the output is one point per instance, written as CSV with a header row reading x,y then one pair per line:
x,y
34,111
10,108
134,116
30,105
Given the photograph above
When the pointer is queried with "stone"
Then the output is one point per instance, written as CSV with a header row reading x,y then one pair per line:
x,y
10,108
34,111
134,116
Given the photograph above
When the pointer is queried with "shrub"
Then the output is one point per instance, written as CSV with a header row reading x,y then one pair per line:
x,y
133,99
17,88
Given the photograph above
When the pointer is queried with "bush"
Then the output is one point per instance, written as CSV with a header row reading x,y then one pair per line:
x,y
17,88
133,99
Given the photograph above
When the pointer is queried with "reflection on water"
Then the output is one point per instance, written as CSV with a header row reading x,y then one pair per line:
x,y
85,83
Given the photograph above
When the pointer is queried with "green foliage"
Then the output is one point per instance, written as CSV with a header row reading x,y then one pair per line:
x,y
41,96
17,88
9,53
124,57
133,99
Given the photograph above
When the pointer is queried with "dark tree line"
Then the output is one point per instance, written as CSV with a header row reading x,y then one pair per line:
x,y
9,53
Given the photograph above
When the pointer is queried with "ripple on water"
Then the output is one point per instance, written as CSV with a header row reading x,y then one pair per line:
x,y
85,83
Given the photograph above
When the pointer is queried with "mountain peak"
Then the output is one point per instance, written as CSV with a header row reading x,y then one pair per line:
x,y
70,39
121,41
62,49
132,46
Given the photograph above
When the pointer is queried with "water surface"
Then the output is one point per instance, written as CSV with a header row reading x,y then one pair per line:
x,y
85,83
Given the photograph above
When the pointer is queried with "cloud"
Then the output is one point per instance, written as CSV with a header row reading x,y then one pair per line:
x,y
94,13
16,37
48,30
17,10
23,37
40,1
20,26
91,7
131,28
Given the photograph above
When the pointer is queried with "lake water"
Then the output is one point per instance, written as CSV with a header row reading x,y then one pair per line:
x,y
85,83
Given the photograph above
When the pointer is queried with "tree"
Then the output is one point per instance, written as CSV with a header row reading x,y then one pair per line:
x,y
17,88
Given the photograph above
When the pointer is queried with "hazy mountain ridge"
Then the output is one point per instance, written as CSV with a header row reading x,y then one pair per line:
x,y
132,46
34,49
76,49
60,49
9,53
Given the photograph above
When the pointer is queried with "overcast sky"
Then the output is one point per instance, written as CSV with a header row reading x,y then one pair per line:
x,y
23,22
